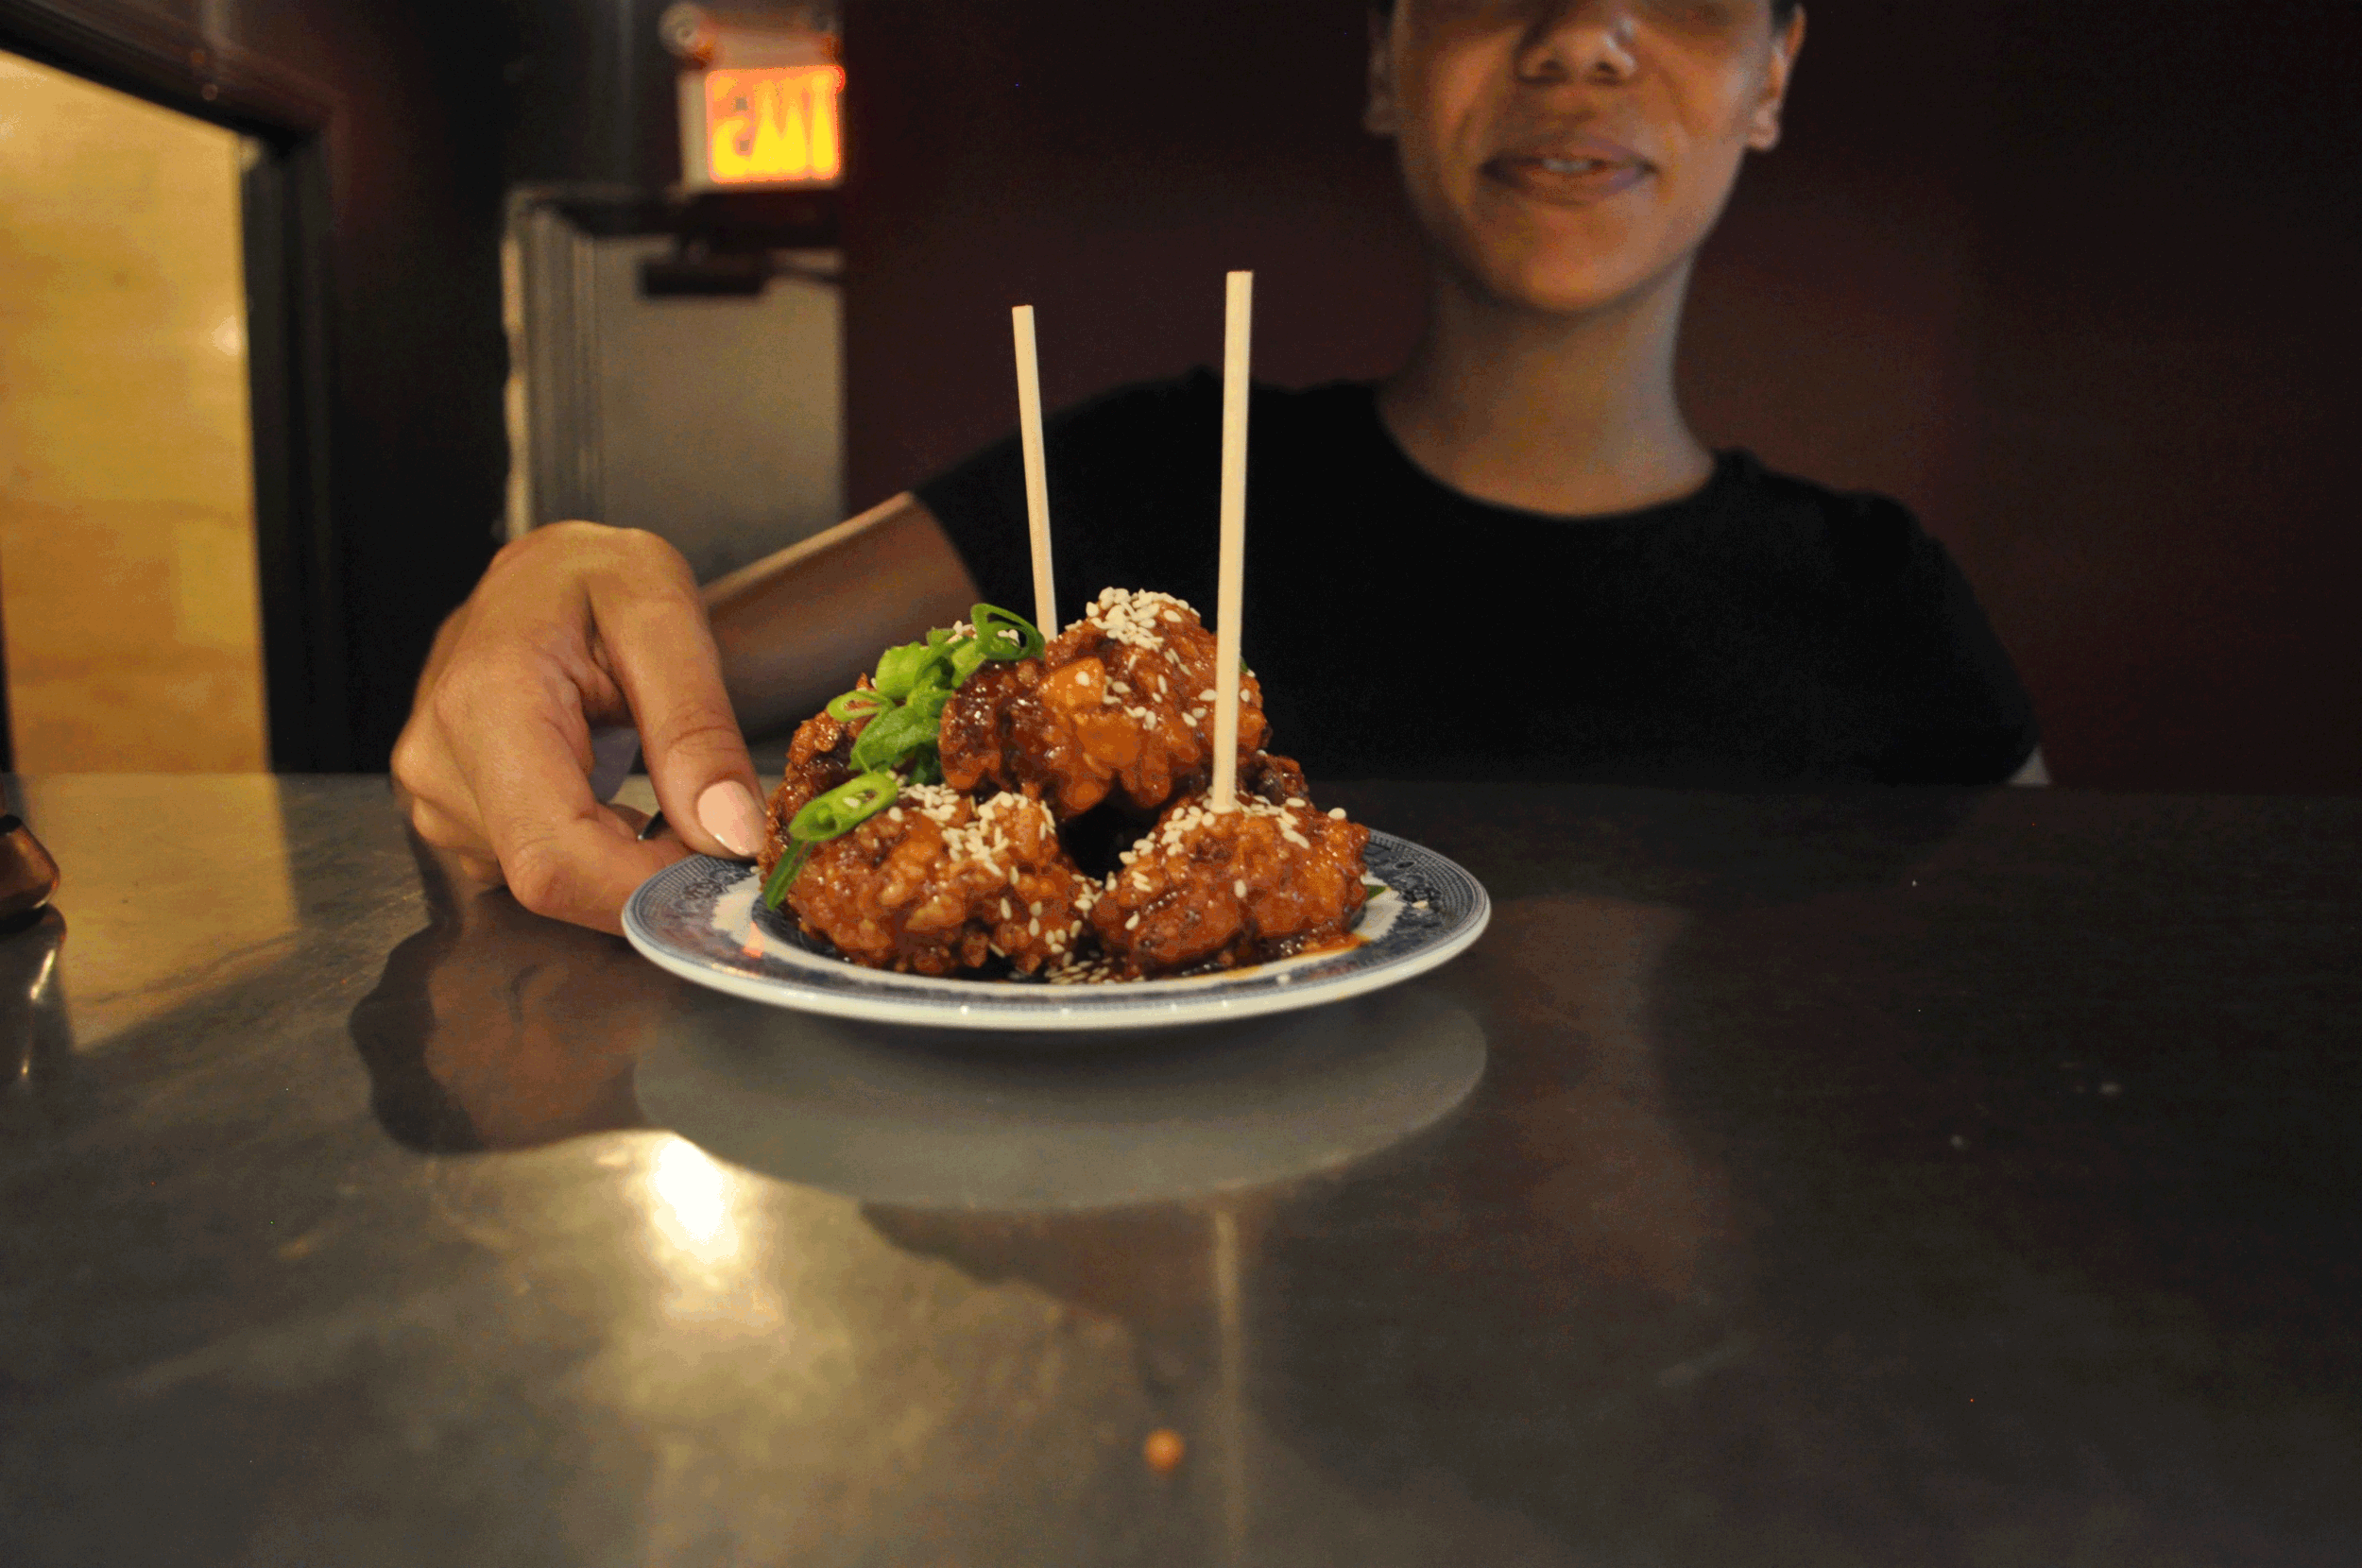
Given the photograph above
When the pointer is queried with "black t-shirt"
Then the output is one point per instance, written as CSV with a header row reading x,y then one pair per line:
x,y
1763,632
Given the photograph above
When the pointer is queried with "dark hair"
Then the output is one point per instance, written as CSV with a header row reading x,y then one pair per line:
x,y
1781,10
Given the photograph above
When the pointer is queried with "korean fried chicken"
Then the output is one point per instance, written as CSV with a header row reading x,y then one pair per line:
x,y
818,759
1123,700
938,884
1205,888
1044,758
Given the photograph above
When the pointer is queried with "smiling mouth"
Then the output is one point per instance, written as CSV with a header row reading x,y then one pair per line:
x,y
1567,182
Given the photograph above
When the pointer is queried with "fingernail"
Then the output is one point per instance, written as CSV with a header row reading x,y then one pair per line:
x,y
729,812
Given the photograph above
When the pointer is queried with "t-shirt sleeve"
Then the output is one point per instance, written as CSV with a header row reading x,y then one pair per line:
x,y
1963,715
1126,473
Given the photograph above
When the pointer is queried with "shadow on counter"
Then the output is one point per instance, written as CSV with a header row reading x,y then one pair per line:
x,y
493,1029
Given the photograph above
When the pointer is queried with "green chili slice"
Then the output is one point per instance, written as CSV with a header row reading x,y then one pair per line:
x,y
1004,634
845,808
844,708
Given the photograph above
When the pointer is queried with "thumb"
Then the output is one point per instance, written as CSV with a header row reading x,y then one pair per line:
x,y
672,678
704,779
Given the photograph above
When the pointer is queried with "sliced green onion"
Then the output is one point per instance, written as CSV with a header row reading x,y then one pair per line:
x,y
967,657
915,680
784,873
902,668
1004,634
859,705
941,678
894,736
845,808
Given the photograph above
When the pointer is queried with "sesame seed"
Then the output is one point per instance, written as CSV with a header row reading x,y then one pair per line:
x,y
1238,887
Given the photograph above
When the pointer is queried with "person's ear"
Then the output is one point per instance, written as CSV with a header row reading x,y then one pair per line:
x,y
1763,128
1381,115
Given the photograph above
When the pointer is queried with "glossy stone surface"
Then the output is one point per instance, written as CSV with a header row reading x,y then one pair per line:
x,y
1900,1179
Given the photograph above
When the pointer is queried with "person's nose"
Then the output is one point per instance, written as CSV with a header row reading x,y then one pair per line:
x,y
1580,41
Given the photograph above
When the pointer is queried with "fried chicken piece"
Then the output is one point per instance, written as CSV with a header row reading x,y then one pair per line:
x,y
1218,889
937,883
1122,699
819,759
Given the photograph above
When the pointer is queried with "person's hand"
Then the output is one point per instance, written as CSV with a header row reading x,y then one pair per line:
x,y
575,626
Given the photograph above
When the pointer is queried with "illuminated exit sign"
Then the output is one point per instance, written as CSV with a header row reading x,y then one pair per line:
x,y
762,126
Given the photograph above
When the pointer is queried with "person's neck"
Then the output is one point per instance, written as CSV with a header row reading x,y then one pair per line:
x,y
1572,416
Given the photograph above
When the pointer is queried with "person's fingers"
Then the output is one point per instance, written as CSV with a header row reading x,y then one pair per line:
x,y
441,807
445,831
659,647
574,626
523,744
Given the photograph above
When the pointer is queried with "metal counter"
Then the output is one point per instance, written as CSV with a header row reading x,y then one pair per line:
x,y
1887,1179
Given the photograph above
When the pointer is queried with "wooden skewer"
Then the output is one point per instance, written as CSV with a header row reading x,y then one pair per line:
x,y
1230,589
1036,476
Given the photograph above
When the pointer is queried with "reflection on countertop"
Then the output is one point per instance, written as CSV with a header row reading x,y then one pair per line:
x,y
197,895
492,1029
35,1036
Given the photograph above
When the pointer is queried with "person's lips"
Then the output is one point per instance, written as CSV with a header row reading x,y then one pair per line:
x,y
1578,172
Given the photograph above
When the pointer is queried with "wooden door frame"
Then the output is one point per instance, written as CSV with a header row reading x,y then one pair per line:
x,y
285,203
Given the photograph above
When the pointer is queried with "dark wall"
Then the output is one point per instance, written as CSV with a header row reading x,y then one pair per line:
x,y
2073,280
418,451
590,93
1105,164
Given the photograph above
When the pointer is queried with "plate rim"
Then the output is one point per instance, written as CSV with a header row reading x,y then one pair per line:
x,y
1139,1015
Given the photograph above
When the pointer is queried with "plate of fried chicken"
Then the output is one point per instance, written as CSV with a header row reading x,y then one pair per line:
x,y
1000,831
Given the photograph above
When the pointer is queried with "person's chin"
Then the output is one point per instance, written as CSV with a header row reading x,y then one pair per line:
x,y
1557,286
1526,265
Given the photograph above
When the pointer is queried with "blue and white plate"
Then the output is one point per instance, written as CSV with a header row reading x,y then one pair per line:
x,y
703,919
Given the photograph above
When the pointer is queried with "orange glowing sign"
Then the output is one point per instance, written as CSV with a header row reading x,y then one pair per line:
x,y
772,126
